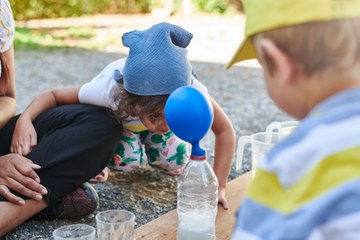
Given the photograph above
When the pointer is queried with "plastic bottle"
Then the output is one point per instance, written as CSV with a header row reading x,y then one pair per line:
x,y
197,200
190,114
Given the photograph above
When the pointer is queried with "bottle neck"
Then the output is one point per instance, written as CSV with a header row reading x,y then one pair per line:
x,y
198,158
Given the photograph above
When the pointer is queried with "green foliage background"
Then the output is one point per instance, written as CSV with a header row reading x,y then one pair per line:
x,y
32,9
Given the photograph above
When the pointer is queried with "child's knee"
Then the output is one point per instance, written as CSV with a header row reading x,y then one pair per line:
x,y
169,160
128,154
117,163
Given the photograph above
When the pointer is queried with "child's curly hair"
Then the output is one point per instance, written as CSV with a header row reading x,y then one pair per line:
x,y
133,105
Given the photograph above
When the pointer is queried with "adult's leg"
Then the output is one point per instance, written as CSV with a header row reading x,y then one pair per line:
x,y
75,142
12,215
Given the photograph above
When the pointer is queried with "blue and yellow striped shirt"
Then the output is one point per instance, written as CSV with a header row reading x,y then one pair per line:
x,y
308,186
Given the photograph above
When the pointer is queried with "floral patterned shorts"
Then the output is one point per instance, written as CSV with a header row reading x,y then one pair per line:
x,y
164,151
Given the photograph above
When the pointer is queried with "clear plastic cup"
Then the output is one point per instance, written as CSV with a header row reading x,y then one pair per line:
x,y
284,128
75,232
260,144
115,224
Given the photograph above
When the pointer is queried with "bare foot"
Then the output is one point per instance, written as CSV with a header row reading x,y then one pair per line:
x,y
101,177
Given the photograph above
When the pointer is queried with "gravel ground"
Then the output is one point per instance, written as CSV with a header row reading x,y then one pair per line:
x,y
147,193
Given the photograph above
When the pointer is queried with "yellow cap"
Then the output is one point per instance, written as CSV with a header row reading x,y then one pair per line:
x,y
264,15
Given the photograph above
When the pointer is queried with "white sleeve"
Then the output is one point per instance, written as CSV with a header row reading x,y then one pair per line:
x,y
100,90
197,84
7,28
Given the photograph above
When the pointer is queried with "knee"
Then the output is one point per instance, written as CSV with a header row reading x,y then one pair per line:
x,y
171,159
104,121
103,126
119,164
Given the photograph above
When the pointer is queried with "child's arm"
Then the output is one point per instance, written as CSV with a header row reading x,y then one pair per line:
x,y
24,136
224,149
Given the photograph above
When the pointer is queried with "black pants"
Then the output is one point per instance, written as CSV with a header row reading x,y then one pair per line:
x,y
75,142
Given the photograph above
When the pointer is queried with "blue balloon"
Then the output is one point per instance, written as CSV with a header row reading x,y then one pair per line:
x,y
189,114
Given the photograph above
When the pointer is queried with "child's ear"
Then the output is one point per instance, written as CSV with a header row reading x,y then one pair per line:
x,y
280,65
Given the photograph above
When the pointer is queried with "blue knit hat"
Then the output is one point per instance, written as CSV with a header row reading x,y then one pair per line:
x,y
157,62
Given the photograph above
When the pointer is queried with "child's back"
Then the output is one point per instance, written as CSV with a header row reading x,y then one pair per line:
x,y
308,186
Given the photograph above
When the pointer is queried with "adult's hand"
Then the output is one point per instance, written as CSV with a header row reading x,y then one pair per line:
x,y
17,173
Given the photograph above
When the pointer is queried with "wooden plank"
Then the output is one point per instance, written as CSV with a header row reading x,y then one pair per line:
x,y
165,226
225,219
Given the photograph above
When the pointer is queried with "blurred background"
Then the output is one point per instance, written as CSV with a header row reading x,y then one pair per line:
x,y
31,36
32,9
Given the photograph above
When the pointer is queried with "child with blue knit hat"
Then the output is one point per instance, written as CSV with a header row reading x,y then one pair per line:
x,y
136,89
157,62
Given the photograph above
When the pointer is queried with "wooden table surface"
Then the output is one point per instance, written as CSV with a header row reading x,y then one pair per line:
x,y
164,227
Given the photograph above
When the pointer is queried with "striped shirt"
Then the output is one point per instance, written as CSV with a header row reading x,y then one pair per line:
x,y
308,186
7,26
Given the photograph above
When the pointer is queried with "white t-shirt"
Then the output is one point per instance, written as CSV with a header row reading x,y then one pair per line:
x,y
101,89
7,28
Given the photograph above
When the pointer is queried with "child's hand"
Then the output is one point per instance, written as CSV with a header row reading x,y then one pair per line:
x,y
24,137
222,200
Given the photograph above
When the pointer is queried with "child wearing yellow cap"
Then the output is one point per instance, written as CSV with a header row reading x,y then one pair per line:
x,y
308,186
